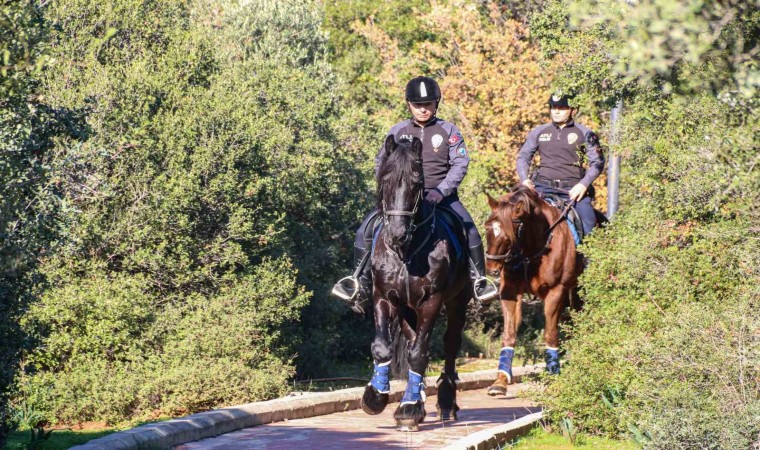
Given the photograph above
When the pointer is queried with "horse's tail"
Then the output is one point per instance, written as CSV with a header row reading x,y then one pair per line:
x,y
400,360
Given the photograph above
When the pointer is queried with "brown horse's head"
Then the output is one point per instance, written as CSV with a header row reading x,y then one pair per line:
x,y
507,215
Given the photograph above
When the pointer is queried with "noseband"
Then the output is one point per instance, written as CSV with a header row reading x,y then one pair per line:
x,y
506,256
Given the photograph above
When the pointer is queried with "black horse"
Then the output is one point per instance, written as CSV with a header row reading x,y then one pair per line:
x,y
416,268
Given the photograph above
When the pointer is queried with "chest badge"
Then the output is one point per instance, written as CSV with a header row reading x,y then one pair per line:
x,y
546,137
437,141
571,138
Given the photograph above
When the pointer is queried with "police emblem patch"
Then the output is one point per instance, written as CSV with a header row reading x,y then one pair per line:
x,y
455,138
571,138
462,151
437,140
546,137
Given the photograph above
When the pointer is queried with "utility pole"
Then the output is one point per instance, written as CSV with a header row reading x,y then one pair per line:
x,y
613,168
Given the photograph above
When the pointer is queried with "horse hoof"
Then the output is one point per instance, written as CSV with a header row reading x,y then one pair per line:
x,y
497,388
407,425
373,402
448,414
409,416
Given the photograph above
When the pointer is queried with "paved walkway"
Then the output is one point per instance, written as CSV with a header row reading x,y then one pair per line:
x,y
355,429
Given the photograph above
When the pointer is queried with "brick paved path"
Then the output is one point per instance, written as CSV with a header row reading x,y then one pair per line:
x,y
355,429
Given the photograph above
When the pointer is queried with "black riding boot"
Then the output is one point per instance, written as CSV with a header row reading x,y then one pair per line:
x,y
484,289
355,289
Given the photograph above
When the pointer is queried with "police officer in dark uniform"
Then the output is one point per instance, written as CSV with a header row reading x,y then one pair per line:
x,y
444,161
562,143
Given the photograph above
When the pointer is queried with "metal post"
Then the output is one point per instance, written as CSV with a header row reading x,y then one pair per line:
x,y
613,168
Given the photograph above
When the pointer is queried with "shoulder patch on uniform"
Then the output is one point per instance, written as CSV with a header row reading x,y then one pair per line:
x,y
455,138
462,151
592,138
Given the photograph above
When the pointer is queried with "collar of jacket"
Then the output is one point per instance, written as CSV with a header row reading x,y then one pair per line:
x,y
430,122
570,123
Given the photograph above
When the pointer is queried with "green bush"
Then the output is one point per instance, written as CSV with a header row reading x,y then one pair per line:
x,y
669,329
212,188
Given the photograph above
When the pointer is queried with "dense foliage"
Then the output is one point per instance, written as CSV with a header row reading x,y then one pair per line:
x,y
667,350
216,169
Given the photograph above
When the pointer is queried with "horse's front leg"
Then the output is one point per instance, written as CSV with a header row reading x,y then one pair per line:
x,y
375,396
411,411
512,314
553,304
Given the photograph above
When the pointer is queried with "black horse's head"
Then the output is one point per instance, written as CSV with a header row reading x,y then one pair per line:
x,y
399,188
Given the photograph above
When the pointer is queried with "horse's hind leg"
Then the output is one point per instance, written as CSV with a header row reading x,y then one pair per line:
x,y
375,396
553,304
452,341
511,311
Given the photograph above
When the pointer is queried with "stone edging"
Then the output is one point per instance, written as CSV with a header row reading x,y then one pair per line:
x,y
207,424
496,436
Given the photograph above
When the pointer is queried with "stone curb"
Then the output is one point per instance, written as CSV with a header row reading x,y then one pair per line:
x,y
496,436
162,435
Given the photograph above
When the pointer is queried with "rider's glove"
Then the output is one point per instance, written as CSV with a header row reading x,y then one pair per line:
x,y
434,196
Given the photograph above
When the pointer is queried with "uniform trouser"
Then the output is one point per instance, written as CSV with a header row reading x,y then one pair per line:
x,y
583,207
364,236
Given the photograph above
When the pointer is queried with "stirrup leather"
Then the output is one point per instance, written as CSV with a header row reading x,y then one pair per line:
x,y
340,291
486,296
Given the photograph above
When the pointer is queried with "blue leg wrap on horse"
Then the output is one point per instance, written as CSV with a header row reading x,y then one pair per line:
x,y
552,361
415,389
505,362
380,379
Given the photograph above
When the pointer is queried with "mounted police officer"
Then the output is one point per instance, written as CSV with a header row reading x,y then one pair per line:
x,y
444,161
562,144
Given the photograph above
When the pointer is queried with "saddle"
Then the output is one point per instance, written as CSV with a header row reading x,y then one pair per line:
x,y
573,219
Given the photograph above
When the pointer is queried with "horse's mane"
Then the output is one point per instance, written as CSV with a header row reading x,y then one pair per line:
x,y
401,164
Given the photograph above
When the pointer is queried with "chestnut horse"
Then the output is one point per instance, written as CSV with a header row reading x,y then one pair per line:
x,y
531,249
416,269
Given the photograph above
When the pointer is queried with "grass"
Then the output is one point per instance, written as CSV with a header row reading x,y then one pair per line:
x,y
59,440
539,439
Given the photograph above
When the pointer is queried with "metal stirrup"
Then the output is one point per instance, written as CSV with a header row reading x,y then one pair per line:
x,y
341,295
354,278
481,298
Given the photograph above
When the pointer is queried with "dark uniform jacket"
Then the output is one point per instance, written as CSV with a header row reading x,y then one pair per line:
x,y
561,151
444,156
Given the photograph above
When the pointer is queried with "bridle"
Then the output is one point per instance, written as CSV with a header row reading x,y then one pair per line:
x,y
515,254
409,234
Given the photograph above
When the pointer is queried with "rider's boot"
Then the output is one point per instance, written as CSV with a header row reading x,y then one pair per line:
x,y
485,290
354,290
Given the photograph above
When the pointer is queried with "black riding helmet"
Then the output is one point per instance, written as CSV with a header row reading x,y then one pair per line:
x,y
560,100
423,90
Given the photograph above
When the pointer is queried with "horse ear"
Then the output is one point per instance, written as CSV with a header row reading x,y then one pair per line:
x,y
492,202
417,146
390,144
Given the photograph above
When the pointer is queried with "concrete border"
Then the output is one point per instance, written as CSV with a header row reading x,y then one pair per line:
x,y
162,435
496,436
